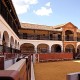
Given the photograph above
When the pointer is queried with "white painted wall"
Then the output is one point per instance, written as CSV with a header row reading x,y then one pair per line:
x,y
78,43
5,27
37,42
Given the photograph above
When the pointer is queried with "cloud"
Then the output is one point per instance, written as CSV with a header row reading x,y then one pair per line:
x,y
22,6
44,11
48,4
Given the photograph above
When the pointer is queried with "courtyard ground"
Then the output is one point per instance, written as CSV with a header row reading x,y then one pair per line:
x,y
55,70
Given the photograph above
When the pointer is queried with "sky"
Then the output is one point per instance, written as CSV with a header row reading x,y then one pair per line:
x,y
48,12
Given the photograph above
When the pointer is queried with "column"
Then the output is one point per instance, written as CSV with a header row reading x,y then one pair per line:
x,y
0,41
8,44
49,49
35,49
34,55
62,48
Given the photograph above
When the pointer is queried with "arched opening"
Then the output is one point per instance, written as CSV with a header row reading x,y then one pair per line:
x,y
42,48
5,39
56,48
27,48
5,42
78,49
69,48
69,35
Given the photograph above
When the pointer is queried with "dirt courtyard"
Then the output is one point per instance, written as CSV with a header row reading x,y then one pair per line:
x,y
55,70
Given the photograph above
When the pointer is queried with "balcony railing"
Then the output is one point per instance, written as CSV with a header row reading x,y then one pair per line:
x,y
70,38
40,37
47,37
56,38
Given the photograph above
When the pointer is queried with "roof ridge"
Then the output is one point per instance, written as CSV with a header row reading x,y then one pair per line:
x,y
36,24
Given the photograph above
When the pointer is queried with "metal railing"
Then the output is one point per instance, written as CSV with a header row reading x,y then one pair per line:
x,y
40,37
70,38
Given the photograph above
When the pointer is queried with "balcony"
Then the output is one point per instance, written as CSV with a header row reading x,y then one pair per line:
x,y
40,37
70,38
9,18
56,38
47,37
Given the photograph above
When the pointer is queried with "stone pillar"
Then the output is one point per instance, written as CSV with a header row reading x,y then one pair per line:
x,y
13,46
62,48
8,44
34,58
0,41
34,55
49,49
35,49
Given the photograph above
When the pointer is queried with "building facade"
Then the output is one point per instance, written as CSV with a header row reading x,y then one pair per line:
x,y
50,39
18,37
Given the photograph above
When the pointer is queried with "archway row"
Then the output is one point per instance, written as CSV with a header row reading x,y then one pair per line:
x,y
8,44
9,40
41,48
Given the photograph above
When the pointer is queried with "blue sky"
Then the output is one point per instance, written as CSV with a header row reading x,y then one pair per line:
x,y
48,12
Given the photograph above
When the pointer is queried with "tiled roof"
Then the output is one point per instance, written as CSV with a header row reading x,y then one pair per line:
x,y
36,26
43,27
59,26
62,25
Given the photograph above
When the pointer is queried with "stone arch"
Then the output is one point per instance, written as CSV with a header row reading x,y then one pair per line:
x,y
69,48
27,48
69,35
56,48
5,39
43,48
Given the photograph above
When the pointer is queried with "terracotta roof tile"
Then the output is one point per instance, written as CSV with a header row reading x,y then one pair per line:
x,y
42,27
36,26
